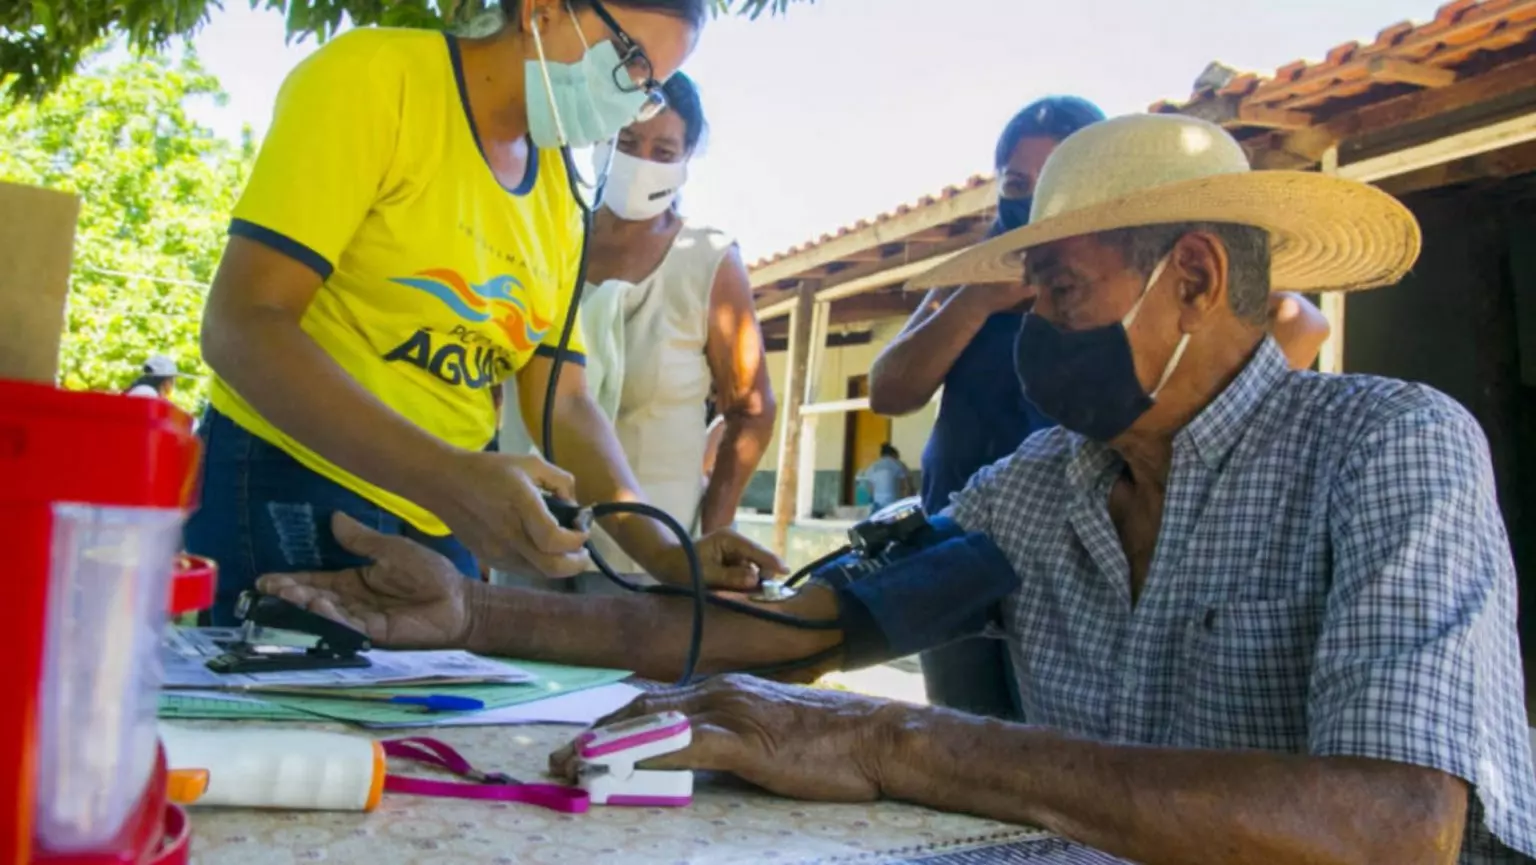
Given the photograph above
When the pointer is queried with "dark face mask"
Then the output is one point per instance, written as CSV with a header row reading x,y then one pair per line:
x,y
1011,213
1086,380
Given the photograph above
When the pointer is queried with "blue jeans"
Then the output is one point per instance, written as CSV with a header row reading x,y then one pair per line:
x,y
264,513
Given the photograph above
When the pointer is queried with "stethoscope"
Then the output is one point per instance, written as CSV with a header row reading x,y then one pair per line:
x,y
701,599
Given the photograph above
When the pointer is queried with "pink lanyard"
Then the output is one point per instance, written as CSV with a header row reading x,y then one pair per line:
x,y
493,786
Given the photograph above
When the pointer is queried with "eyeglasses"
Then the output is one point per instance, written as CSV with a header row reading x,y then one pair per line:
x,y
634,66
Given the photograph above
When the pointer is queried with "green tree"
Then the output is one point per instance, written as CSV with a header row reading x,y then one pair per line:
x,y
156,191
43,41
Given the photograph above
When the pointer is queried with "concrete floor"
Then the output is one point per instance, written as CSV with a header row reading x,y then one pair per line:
x,y
898,680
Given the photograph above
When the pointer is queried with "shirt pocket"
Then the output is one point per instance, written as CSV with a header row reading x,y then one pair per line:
x,y
1247,667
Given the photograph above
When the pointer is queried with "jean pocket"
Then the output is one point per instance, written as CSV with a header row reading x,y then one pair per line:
x,y
1246,672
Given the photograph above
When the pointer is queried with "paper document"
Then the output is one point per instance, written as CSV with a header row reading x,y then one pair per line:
x,y
218,705
185,653
553,682
582,708
552,679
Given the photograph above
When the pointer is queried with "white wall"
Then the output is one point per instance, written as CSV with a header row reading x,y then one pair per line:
x,y
909,433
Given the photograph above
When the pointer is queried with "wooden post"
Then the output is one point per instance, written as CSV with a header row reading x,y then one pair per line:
x,y
37,240
1331,356
785,495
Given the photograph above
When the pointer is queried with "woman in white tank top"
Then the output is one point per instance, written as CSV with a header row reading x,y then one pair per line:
x,y
669,323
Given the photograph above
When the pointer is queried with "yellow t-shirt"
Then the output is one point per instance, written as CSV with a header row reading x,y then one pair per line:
x,y
438,281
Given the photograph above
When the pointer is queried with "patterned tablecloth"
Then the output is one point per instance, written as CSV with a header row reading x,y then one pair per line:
x,y
728,823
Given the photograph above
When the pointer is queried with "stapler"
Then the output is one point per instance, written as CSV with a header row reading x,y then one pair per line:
x,y
607,758
337,646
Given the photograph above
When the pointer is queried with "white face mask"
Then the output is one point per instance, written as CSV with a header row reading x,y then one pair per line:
x,y
638,189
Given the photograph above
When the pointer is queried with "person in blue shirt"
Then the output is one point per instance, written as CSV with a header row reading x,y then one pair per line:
x,y
963,338
887,478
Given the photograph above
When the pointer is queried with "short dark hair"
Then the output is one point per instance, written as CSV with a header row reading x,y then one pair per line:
x,y
1247,258
683,100
1053,117
693,11
889,450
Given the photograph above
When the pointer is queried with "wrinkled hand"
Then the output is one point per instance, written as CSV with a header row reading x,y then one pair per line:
x,y
494,504
409,597
729,561
797,742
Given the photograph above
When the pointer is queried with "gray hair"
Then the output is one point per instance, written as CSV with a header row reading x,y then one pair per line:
x,y
1247,258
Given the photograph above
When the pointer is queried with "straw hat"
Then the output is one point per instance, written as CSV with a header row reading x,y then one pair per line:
x,y
1326,234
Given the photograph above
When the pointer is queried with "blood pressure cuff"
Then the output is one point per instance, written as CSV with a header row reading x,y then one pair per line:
x,y
923,600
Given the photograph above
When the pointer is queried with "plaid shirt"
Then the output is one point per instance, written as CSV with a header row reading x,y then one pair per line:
x,y
1332,578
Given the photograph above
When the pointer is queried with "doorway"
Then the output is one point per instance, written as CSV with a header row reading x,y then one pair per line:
x,y
864,433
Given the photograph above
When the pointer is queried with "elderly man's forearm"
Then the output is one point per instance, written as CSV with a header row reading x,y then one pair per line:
x,y
646,633
1157,805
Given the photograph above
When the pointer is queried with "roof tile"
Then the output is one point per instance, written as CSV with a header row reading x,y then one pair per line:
x,y
1341,54
947,192
1242,85
1393,35
1459,29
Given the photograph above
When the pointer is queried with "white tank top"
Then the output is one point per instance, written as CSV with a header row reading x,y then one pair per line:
x,y
645,346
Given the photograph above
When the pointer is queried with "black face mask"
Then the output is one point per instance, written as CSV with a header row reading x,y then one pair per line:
x,y
1012,213
1086,380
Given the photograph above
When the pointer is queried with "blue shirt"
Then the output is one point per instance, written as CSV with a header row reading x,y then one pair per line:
x,y
885,477
1331,578
983,415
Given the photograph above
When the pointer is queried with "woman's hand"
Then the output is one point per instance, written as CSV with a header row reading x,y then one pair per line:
x,y
728,560
1000,297
408,597
494,504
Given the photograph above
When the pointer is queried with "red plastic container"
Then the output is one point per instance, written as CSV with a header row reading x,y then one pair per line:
x,y
93,492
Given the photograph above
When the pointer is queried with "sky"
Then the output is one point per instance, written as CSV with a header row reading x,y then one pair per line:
x,y
842,109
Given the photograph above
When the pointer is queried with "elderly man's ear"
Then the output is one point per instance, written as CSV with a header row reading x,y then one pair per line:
x,y
1199,263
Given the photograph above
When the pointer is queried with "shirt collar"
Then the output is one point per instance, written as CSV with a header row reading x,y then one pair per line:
x,y
1217,429
1214,431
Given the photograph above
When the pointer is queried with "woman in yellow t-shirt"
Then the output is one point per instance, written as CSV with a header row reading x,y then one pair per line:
x,y
408,240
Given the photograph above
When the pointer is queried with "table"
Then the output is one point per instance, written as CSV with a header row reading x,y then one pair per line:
x,y
728,823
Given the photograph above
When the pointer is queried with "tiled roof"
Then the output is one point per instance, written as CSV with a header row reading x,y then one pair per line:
x,y
1403,57
972,182
1405,53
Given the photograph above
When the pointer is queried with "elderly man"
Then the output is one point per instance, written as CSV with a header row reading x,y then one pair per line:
x,y
1264,616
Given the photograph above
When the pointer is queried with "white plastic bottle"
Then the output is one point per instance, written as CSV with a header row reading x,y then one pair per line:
x,y
262,767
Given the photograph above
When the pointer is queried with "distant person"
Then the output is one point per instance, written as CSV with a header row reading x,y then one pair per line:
x,y
888,478
157,378
963,339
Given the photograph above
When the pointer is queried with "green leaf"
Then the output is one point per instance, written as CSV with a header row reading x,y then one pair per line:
x,y
156,189
43,42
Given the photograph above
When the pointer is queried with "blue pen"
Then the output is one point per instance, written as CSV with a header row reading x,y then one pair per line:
x,y
426,702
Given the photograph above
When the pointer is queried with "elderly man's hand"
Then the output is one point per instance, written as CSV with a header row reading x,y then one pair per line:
x,y
409,597
798,742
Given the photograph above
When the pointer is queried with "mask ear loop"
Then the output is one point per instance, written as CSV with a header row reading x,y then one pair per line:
x,y
1173,364
607,166
1157,271
549,87
1178,351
